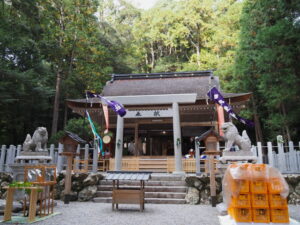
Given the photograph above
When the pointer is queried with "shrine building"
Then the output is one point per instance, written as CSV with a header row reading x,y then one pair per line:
x,y
165,112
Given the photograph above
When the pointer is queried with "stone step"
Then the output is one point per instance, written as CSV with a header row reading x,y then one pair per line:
x,y
165,201
102,199
174,195
147,200
151,166
167,177
147,183
154,170
181,189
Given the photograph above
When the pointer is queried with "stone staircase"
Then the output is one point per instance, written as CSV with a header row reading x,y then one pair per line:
x,y
160,189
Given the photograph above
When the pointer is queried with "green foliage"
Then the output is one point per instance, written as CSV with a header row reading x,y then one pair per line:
x,y
79,126
268,63
20,184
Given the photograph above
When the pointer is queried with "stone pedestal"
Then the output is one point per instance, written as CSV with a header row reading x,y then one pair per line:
x,y
241,155
27,159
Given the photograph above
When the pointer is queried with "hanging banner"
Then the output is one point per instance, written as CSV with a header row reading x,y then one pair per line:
x,y
115,106
94,131
106,117
217,97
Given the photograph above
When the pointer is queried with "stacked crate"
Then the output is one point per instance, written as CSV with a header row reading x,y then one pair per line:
x,y
257,197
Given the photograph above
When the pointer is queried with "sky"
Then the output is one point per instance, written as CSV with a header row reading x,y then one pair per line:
x,y
144,4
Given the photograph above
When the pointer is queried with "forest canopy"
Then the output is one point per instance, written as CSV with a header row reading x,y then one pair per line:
x,y
52,50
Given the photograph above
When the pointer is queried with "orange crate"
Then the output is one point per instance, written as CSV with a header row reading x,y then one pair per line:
x,y
261,215
258,171
260,200
275,186
280,215
259,186
242,214
230,211
242,200
276,201
240,186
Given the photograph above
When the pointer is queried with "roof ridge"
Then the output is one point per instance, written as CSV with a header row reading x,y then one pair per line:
x,y
161,75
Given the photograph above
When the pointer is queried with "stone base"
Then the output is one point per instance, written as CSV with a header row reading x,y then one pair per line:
x,y
181,173
238,153
17,170
225,159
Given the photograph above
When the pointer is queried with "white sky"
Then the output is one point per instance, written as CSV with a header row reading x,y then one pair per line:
x,y
144,4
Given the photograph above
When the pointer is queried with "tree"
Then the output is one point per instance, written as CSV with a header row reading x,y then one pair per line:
x,y
25,78
267,63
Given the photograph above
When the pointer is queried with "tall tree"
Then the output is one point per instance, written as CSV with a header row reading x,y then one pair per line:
x,y
267,63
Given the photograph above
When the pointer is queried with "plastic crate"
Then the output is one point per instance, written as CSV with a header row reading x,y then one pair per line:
x,y
260,200
240,186
242,200
276,201
258,171
275,186
261,215
230,211
259,186
280,215
242,214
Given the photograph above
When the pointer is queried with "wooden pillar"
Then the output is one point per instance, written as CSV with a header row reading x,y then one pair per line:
x,y
9,204
32,206
212,179
68,178
136,139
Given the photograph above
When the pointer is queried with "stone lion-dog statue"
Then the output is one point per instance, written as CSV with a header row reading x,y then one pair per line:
x,y
232,137
38,142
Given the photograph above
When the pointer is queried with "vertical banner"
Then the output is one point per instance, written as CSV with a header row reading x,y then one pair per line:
x,y
106,117
114,105
217,97
221,119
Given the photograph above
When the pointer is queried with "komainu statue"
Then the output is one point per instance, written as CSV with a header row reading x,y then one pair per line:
x,y
38,142
232,137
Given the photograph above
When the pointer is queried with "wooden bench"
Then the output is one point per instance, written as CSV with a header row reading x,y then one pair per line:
x,y
121,195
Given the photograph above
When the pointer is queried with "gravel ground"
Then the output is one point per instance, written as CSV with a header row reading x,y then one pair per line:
x,y
89,213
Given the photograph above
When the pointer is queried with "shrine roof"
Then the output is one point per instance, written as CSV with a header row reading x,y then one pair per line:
x,y
169,83
198,82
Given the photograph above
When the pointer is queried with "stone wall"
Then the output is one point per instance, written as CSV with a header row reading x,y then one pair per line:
x,y
84,186
199,191
5,180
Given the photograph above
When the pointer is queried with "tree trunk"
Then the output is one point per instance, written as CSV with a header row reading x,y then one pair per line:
x,y
286,127
65,115
56,104
152,56
198,55
258,131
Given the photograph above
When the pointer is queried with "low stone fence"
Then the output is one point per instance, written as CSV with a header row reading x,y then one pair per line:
x,y
199,191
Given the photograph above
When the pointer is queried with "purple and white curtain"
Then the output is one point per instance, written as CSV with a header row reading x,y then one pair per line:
x,y
115,106
217,97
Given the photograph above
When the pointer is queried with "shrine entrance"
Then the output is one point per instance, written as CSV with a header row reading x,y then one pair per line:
x,y
151,140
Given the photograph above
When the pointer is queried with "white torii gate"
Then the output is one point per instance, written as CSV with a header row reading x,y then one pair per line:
x,y
173,99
